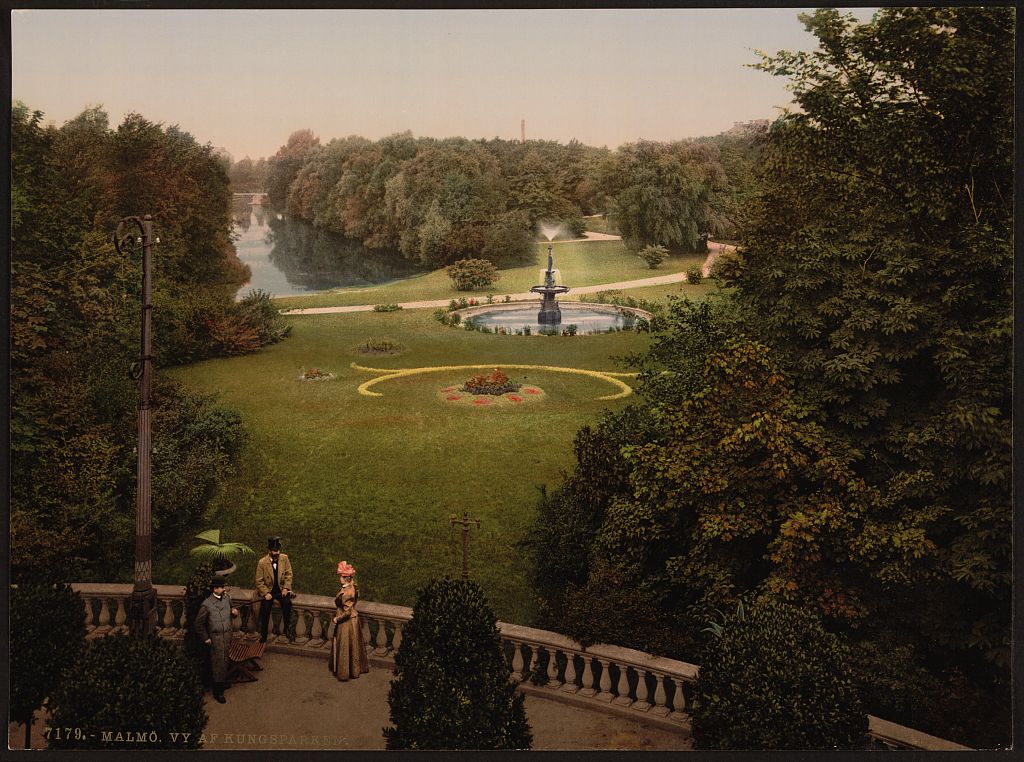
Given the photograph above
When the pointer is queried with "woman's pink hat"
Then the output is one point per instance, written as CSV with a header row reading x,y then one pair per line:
x,y
345,569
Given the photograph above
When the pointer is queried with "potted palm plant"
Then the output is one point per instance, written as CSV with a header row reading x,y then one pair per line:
x,y
221,554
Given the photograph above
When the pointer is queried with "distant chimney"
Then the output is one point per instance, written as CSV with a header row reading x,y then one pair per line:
x,y
522,129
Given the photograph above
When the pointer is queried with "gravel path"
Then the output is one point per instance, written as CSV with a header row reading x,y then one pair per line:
x,y
714,250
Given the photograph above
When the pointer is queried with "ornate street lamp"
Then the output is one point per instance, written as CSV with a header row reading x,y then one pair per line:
x,y
142,605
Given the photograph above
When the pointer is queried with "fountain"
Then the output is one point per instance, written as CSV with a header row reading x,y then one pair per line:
x,y
549,313
579,318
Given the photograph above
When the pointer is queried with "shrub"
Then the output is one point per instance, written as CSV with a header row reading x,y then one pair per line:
x,y
451,688
384,346
496,383
772,678
694,275
727,266
653,255
471,274
569,330
102,692
47,631
387,307
257,310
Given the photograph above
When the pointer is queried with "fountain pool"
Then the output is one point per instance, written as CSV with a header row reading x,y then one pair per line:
x,y
588,318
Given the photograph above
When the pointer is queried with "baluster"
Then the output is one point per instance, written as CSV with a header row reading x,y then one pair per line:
x,y
622,688
641,704
396,639
364,627
300,625
104,621
517,662
90,624
381,640
570,674
532,665
316,635
119,617
588,689
553,681
605,692
168,620
660,708
678,712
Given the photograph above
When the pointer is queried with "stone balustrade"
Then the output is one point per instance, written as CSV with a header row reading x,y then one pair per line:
x,y
612,679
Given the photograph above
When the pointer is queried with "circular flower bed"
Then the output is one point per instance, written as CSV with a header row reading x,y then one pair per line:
x,y
455,395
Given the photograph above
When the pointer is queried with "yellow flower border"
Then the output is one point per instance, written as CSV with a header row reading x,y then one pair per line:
x,y
364,388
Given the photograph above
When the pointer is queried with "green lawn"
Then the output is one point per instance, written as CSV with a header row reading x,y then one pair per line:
x,y
373,480
580,263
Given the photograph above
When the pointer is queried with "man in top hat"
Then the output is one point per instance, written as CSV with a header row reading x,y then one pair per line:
x,y
213,625
274,582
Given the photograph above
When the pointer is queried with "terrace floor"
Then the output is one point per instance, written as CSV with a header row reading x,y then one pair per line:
x,y
298,704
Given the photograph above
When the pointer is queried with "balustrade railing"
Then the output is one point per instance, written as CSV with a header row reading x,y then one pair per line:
x,y
621,679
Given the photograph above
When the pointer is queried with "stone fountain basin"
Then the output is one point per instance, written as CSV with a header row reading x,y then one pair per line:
x,y
587,317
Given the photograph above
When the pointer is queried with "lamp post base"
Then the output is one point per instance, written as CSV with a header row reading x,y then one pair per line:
x,y
142,612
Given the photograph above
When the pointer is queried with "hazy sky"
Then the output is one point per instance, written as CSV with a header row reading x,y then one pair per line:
x,y
245,79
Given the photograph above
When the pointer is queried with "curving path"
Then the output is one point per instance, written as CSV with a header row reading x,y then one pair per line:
x,y
714,249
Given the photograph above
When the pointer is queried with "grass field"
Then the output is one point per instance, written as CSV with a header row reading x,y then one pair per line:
x,y
580,263
371,480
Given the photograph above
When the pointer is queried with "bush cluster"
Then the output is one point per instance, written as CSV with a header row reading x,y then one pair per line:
x,y
387,307
101,693
472,274
694,275
771,678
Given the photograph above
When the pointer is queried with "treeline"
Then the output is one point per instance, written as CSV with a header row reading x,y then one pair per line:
x,y
438,201
834,429
75,321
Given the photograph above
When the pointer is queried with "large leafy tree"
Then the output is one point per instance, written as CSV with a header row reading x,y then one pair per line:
x,y
660,193
879,263
74,317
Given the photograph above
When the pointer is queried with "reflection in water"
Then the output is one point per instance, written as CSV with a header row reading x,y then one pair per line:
x,y
290,257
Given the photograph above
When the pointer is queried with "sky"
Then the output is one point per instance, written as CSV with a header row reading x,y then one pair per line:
x,y
244,80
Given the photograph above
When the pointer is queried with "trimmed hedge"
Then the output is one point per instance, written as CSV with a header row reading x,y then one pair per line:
x,y
451,688
772,678
129,693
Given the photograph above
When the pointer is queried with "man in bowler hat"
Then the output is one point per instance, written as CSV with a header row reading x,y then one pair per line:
x,y
213,625
274,583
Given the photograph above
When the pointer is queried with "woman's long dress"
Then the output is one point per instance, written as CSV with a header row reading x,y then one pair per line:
x,y
348,650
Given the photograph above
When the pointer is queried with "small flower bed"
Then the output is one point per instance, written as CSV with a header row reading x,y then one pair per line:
x,y
381,346
387,307
315,374
495,383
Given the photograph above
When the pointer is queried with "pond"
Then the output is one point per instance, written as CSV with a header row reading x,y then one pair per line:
x,y
290,257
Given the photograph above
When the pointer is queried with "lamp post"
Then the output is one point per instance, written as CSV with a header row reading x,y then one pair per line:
x,y
465,521
142,605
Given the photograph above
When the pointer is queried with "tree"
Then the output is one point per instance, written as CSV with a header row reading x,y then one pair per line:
x,y
472,274
772,679
659,193
879,263
102,695
47,629
451,688
284,165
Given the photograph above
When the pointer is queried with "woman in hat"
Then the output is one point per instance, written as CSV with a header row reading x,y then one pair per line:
x,y
348,651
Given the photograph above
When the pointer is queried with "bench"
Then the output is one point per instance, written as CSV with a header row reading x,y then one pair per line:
x,y
243,660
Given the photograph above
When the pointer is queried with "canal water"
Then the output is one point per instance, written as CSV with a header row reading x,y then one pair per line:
x,y
290,257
